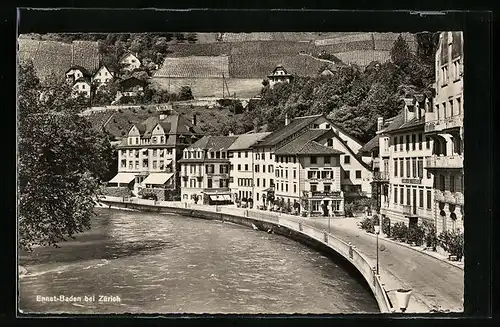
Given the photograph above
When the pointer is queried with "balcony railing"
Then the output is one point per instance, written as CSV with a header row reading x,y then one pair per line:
x,y
381,176
216,189
444,123
456,161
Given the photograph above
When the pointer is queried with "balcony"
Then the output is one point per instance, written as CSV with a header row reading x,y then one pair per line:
x,y
216,189
456,121
455,162
381,176
222,175
449,197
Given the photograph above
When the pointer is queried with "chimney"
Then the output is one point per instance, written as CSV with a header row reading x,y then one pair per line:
x,y
194,120
287,121
380,123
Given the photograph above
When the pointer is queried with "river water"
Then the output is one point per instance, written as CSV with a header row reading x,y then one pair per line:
x,y
159,263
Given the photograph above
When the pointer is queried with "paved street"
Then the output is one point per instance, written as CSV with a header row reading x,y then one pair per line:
x,y
432,281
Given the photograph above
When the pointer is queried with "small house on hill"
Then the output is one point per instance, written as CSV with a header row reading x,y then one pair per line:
x,y
279,75
82,86
103,75
75,72
132,87
130,61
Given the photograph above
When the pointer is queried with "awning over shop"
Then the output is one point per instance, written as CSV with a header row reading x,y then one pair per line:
x,y
227,197
157,178
218,197
269,189
124,178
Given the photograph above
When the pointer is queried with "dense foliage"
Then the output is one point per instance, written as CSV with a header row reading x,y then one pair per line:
x,y
60,164
452,242
351,97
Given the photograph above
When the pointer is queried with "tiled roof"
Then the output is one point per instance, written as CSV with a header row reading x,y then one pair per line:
x,y
371,145
247,140
173,125
214,142
306,144
84,70
399,124
57,57
295,125
85,79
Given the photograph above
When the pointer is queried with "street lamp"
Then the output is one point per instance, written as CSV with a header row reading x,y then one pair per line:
x,y
377,231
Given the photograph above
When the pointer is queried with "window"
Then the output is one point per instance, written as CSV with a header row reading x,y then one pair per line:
x,y
231,167
395,143
246,167
294,174
270,169
420,141
286,187
407,142
427,142
407,167
217,155
414,167
209,183
239,154
294,160
401,143
162,139
395,167
459,105
413,141
441,182
263,182
154,139
347,159
286,159
401,167
314,187
294,188
358,174
452,183
313,159
263,168
421,199
395,195
145,164
263,156
401,195
451,107
256,168
428,174
137,164
246,154
330,142
429,203
420,168
258,182
327,159
286,173
346,174
239,167
408,196
223,155
327,188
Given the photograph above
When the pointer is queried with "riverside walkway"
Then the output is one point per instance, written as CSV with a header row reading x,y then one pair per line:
x,y
435,283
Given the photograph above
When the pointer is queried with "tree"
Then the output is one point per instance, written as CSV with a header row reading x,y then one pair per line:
x,y
185,93
61,162
400,53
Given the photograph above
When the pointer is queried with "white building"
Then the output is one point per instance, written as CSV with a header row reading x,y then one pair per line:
x,y
205,171
279,75
130,62
444,124
103,75
242,166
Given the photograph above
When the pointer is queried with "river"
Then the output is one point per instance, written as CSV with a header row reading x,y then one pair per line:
x,y
160,263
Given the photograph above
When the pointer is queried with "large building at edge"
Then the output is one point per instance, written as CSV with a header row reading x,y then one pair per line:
x,y
418,155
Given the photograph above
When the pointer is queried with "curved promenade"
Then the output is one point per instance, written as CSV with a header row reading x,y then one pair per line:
x,y
435,284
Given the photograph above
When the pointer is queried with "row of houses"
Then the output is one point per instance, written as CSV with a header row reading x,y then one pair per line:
x,y
82,79
307,164
418,155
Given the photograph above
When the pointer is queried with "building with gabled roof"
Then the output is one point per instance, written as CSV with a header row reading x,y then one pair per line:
x,y
205,170
130,61
242,168
279,75
308,174
148,155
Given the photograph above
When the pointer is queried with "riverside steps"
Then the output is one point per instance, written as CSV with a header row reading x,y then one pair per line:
x,y
434,284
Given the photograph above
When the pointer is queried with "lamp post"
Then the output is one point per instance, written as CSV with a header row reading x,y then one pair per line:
x,y
377,231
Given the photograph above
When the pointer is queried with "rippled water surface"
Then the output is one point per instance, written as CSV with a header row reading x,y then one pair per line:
x,y
170,264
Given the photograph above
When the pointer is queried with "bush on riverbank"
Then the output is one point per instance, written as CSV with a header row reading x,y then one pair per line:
x,y
416,235
430,235
399,231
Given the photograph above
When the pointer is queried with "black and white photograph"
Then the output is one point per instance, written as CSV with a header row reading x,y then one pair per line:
x,y
240,172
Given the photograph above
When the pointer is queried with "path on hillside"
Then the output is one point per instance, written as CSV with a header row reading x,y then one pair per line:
x,y
318,59
432,280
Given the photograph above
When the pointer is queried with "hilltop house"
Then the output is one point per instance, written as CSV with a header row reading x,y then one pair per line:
x,y
132,87
279,75
130,62
103,75
147,156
